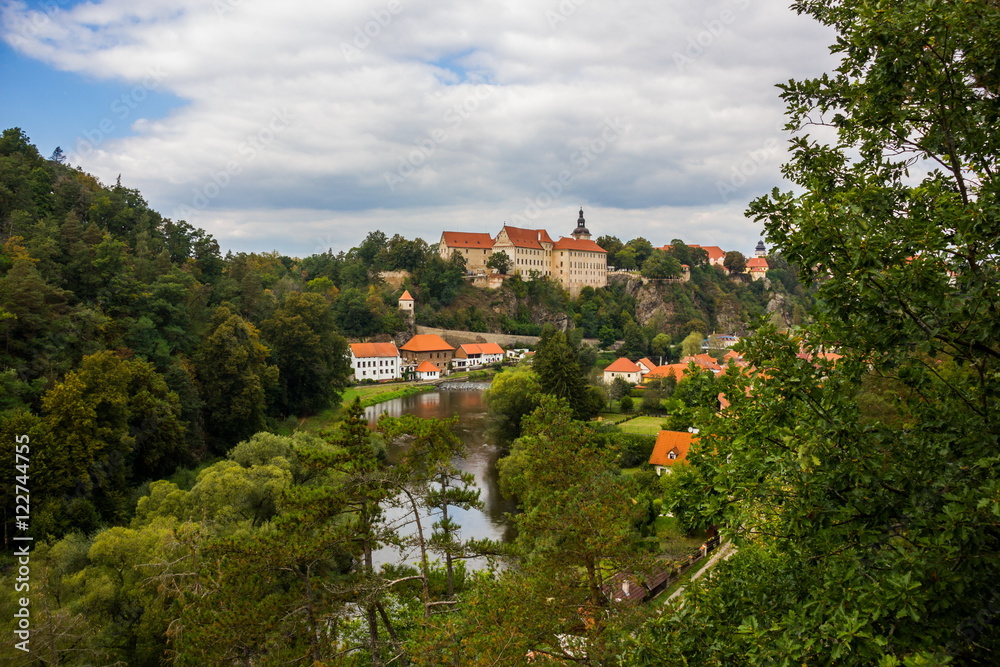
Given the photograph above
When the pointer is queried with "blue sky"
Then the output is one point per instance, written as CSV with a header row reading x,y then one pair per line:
x,y
302,126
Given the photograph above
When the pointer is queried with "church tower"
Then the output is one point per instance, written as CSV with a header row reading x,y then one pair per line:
x,y
581,231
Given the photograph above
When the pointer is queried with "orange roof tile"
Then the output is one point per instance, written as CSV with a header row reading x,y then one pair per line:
x,y
426,343
467,240
671,441
406,296
527,238
715,253
677,370
361,350
585,245
428,367
622,365
757,263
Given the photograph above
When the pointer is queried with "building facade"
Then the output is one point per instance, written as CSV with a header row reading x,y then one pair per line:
x,y
375,361
427,347
476,248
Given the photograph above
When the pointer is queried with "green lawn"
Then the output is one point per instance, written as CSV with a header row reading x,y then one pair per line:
x,y
643,425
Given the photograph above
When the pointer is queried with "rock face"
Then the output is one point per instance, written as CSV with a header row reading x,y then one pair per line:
x,y
663,303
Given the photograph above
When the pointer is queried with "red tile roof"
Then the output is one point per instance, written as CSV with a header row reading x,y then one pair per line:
x,y
406,296
647,363
622,365
426,343
757,263
361,350
584,245
467,240
677,370
671,441
715,253
428,367
527,238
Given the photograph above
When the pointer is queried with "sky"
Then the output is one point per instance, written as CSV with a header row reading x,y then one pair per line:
x,y
301,126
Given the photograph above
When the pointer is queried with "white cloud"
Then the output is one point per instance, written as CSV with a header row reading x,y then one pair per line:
x,y
415,118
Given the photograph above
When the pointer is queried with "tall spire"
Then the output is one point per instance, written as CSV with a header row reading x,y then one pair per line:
x,y
581,231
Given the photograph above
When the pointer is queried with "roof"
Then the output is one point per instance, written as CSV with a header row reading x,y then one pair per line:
x,y
715,253
362,350
647,363
623,365
757,263
467,239
481,348
406,296
583,245
671,441
527,238
705,361
428,367
677,370
426,343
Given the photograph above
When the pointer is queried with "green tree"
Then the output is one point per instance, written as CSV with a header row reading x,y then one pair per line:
x,y
559,373
235,377
661,265
735,262
500,262
512,395
310,355
691,345
868,541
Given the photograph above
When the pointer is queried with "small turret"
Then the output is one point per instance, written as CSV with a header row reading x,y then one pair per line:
x,y
581,231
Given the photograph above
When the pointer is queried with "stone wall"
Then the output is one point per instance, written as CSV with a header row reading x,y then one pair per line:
x,y
457,338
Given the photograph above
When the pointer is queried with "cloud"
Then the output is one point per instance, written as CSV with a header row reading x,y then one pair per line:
x,y
455,115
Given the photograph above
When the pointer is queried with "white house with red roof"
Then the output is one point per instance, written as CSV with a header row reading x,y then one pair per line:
x,y
375,361
645,365
477,355
670,449
427,347
757,267
428,371
625,369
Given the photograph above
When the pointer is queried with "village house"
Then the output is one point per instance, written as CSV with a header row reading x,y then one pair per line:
x,y
757,267
477,355
670,449
427,347
427,371
625,369
645,366
375,361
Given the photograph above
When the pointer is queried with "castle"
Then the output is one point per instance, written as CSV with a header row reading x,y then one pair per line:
x,y
574,261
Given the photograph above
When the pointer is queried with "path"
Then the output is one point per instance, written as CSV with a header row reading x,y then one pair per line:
x,y
725,551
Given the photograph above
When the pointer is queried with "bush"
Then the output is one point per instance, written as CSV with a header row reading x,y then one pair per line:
x,y
627,404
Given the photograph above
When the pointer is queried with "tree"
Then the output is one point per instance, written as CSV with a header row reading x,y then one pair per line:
x,y
310,355
867,541
500,262
559,373
735,262
691,345
235,378
512,395
660,266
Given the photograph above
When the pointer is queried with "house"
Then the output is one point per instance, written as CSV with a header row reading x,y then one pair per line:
x,y
704,361
375,361
645,366
528,249
623,368
579,263
428,371
477,355
757,267
670,449
427,347
475,247
716,255
677,371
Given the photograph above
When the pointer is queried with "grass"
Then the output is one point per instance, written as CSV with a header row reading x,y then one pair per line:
x,y
643,425
370,394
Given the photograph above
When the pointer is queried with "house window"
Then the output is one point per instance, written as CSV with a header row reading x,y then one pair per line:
x,y
672,455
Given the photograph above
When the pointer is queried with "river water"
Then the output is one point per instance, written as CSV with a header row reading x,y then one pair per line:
x,y
480,460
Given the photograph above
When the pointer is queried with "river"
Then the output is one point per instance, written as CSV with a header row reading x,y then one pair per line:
x,y
480,460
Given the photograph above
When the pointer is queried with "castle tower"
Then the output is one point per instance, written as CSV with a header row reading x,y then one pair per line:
x,y
760,251
581,231
406,304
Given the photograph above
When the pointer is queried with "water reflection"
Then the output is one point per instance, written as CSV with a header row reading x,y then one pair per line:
x,y
480,461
